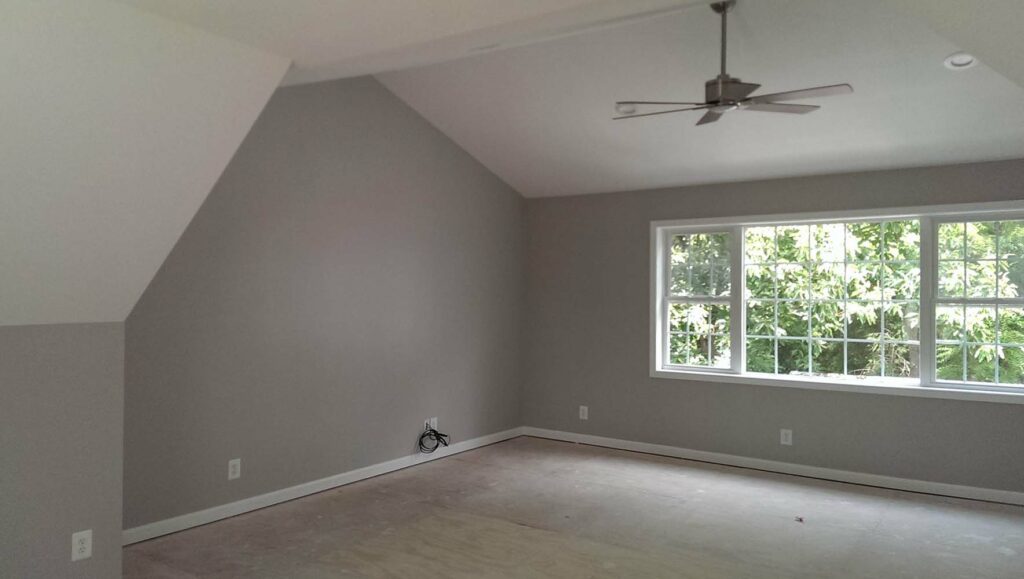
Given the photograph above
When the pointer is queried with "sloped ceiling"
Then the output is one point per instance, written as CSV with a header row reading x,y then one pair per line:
x,y
117,118
540,116
329,39
115,124
989,29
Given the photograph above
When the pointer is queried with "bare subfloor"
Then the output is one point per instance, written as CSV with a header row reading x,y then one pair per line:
x,y
537,508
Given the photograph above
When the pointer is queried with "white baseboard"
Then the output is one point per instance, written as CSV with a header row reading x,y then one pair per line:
x,y
187,521
903,484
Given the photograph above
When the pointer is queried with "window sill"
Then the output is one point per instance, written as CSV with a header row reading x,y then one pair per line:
x,y
865,386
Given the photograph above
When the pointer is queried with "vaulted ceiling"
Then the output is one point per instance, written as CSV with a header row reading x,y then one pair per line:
x,y
118,117
338,38
540,116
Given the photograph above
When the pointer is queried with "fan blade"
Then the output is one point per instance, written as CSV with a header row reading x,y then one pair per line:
x,y
656,103
709,117
782,108
659,113
807,93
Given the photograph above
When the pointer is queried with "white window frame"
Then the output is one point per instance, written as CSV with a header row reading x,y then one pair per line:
x,y
926,386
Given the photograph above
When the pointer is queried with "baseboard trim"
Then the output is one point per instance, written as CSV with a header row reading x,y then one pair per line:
x,y
198,518
187,521
903,484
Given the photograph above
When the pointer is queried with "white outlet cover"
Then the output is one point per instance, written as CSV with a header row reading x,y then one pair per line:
x,y
81,545
786,437
234,468
584,413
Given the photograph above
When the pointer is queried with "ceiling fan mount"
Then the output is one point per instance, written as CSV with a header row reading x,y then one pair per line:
x,y
724,93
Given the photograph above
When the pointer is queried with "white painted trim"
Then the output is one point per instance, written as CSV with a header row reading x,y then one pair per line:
x,y
198,518
947,391
903,484
941,212
187,521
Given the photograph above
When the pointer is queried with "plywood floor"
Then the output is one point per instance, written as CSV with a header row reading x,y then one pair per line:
x,y
530,507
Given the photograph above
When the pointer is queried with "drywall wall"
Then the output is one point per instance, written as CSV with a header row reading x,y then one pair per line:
x,y
61,404
115,124
352,273
588,322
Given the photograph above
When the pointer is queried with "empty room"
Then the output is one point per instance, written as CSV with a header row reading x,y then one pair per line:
x,y
309,289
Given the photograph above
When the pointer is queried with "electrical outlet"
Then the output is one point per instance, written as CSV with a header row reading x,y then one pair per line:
x,y
430,423
786,437
234,468
584,413
81,545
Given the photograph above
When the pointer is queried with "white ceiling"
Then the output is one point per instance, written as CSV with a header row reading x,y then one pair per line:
x,y
115,125
539,116
337,38
990,29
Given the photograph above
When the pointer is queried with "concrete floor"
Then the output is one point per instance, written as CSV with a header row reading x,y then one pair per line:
x,y
530,507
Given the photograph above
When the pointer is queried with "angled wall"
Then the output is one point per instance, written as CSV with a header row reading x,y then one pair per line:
x,y
115,126
352,273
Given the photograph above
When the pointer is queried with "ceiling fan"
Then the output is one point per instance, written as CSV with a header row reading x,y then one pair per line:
x,y
726,94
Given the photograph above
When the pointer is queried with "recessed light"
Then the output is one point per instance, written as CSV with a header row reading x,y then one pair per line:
x,y
625,108
960,61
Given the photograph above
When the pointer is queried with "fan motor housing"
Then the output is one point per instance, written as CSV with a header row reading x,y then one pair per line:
x,y
733,90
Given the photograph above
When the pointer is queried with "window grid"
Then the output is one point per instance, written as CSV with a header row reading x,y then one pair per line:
x,y
996,302
886,298
710,300
933,283
881,283
846,304
708,351
688,332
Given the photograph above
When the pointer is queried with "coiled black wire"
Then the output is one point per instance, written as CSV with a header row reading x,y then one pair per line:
x,y
431,440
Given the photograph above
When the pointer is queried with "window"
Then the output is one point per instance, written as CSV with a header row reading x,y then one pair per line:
x,y
979,311
700,283
924,298
833,299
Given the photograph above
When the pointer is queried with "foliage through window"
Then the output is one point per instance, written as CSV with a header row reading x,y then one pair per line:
x,y
844,299
699,300
979,314
833,299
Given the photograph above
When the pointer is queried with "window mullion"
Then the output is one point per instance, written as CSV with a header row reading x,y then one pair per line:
x,y
666,264
997,293
737,311
929,289
698,299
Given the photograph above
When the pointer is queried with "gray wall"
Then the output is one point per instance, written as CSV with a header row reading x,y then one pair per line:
x,y
587,339
61,404
352,273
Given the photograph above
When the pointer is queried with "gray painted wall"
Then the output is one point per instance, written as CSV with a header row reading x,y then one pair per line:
x,y
61,404
352,273
587,339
